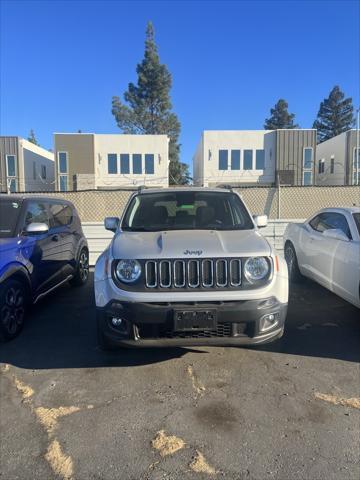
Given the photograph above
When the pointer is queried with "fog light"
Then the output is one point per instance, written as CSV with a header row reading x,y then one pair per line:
x,y
116,321
269,321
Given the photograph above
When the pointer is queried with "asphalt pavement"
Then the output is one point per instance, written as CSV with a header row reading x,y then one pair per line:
x,y
286,411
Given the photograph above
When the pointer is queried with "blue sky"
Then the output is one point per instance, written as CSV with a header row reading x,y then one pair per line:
x,y
61,61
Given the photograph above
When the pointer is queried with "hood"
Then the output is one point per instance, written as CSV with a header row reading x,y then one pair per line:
x,y
190,243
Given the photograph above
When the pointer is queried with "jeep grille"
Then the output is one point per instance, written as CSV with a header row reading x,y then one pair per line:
x,y
191,273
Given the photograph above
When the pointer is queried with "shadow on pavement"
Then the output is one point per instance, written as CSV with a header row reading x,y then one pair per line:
x,y
61,333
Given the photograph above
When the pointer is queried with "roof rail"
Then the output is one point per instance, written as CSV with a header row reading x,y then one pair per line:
x,y
225,185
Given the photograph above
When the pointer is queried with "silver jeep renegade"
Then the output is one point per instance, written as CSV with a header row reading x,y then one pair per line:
x,y
188,266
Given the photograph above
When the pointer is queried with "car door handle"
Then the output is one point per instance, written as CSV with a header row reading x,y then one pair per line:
x,y
55,238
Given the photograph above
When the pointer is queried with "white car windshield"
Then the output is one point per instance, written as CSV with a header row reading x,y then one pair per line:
x,y
186,210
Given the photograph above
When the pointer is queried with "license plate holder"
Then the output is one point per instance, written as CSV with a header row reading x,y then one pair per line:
x,y
195,320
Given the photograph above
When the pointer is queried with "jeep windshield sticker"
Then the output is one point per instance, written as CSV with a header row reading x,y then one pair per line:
x,y
193,252
15,205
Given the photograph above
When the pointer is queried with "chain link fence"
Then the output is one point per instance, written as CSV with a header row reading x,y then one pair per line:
x,y
283,203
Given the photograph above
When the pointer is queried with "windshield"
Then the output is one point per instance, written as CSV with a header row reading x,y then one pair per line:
x,y
357,221
151,212
9,214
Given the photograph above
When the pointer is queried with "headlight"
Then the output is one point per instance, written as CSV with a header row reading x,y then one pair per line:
x,y
255,269
128,271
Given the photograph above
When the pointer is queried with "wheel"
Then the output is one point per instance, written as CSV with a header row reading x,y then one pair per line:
x,y
13,303
292,263
82,272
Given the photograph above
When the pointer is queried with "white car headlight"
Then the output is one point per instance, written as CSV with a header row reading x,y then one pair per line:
x,y
128,271
256,269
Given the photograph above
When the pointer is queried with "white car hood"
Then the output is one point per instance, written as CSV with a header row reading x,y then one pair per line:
x,y
189,243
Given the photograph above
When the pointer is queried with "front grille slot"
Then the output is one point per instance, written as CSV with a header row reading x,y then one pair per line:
x,y
165,274
193,273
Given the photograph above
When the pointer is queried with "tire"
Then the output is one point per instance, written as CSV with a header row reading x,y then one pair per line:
x,y
13,307
295,275
82,271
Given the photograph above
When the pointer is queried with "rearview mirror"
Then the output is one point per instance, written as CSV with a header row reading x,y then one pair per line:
x,y
111,223
336,234
261,221
37,228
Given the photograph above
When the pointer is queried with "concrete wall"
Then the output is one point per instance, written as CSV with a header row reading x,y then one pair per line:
x,y
207,154
34,158
335,147
157,145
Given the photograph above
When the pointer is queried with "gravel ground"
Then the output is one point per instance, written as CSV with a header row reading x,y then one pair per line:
x,y
288,410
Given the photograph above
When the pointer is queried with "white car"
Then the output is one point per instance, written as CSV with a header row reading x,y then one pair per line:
x,y
326,248
188,266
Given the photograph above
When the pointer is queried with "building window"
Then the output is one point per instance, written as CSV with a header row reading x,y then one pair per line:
x,y
332,165
63,183
260,159
308,166
235,159
124,163
112,163
34,170
149,163
308,158
43,172
63,162
137,167
63,171
321,167
248,159
223,159
307,178
11,173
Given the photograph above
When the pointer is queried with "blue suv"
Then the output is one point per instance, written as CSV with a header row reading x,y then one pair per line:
x,y
42,246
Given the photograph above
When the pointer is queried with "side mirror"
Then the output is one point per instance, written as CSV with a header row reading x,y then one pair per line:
x,y
336,234
37,228
261,221
111,223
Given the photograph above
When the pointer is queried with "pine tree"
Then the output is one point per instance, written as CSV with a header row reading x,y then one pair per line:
x,y
148,107
335,116
280,117
32,138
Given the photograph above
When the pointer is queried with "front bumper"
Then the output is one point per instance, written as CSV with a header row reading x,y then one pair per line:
x,y
152,324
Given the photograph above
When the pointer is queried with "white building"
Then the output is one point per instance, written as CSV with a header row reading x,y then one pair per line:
x,y
248,157
25,167
109,161
336,160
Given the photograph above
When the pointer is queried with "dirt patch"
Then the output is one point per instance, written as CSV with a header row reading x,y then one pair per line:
x,y
167,444
335,400
196,383
25,390
200,465
48,416
61,464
